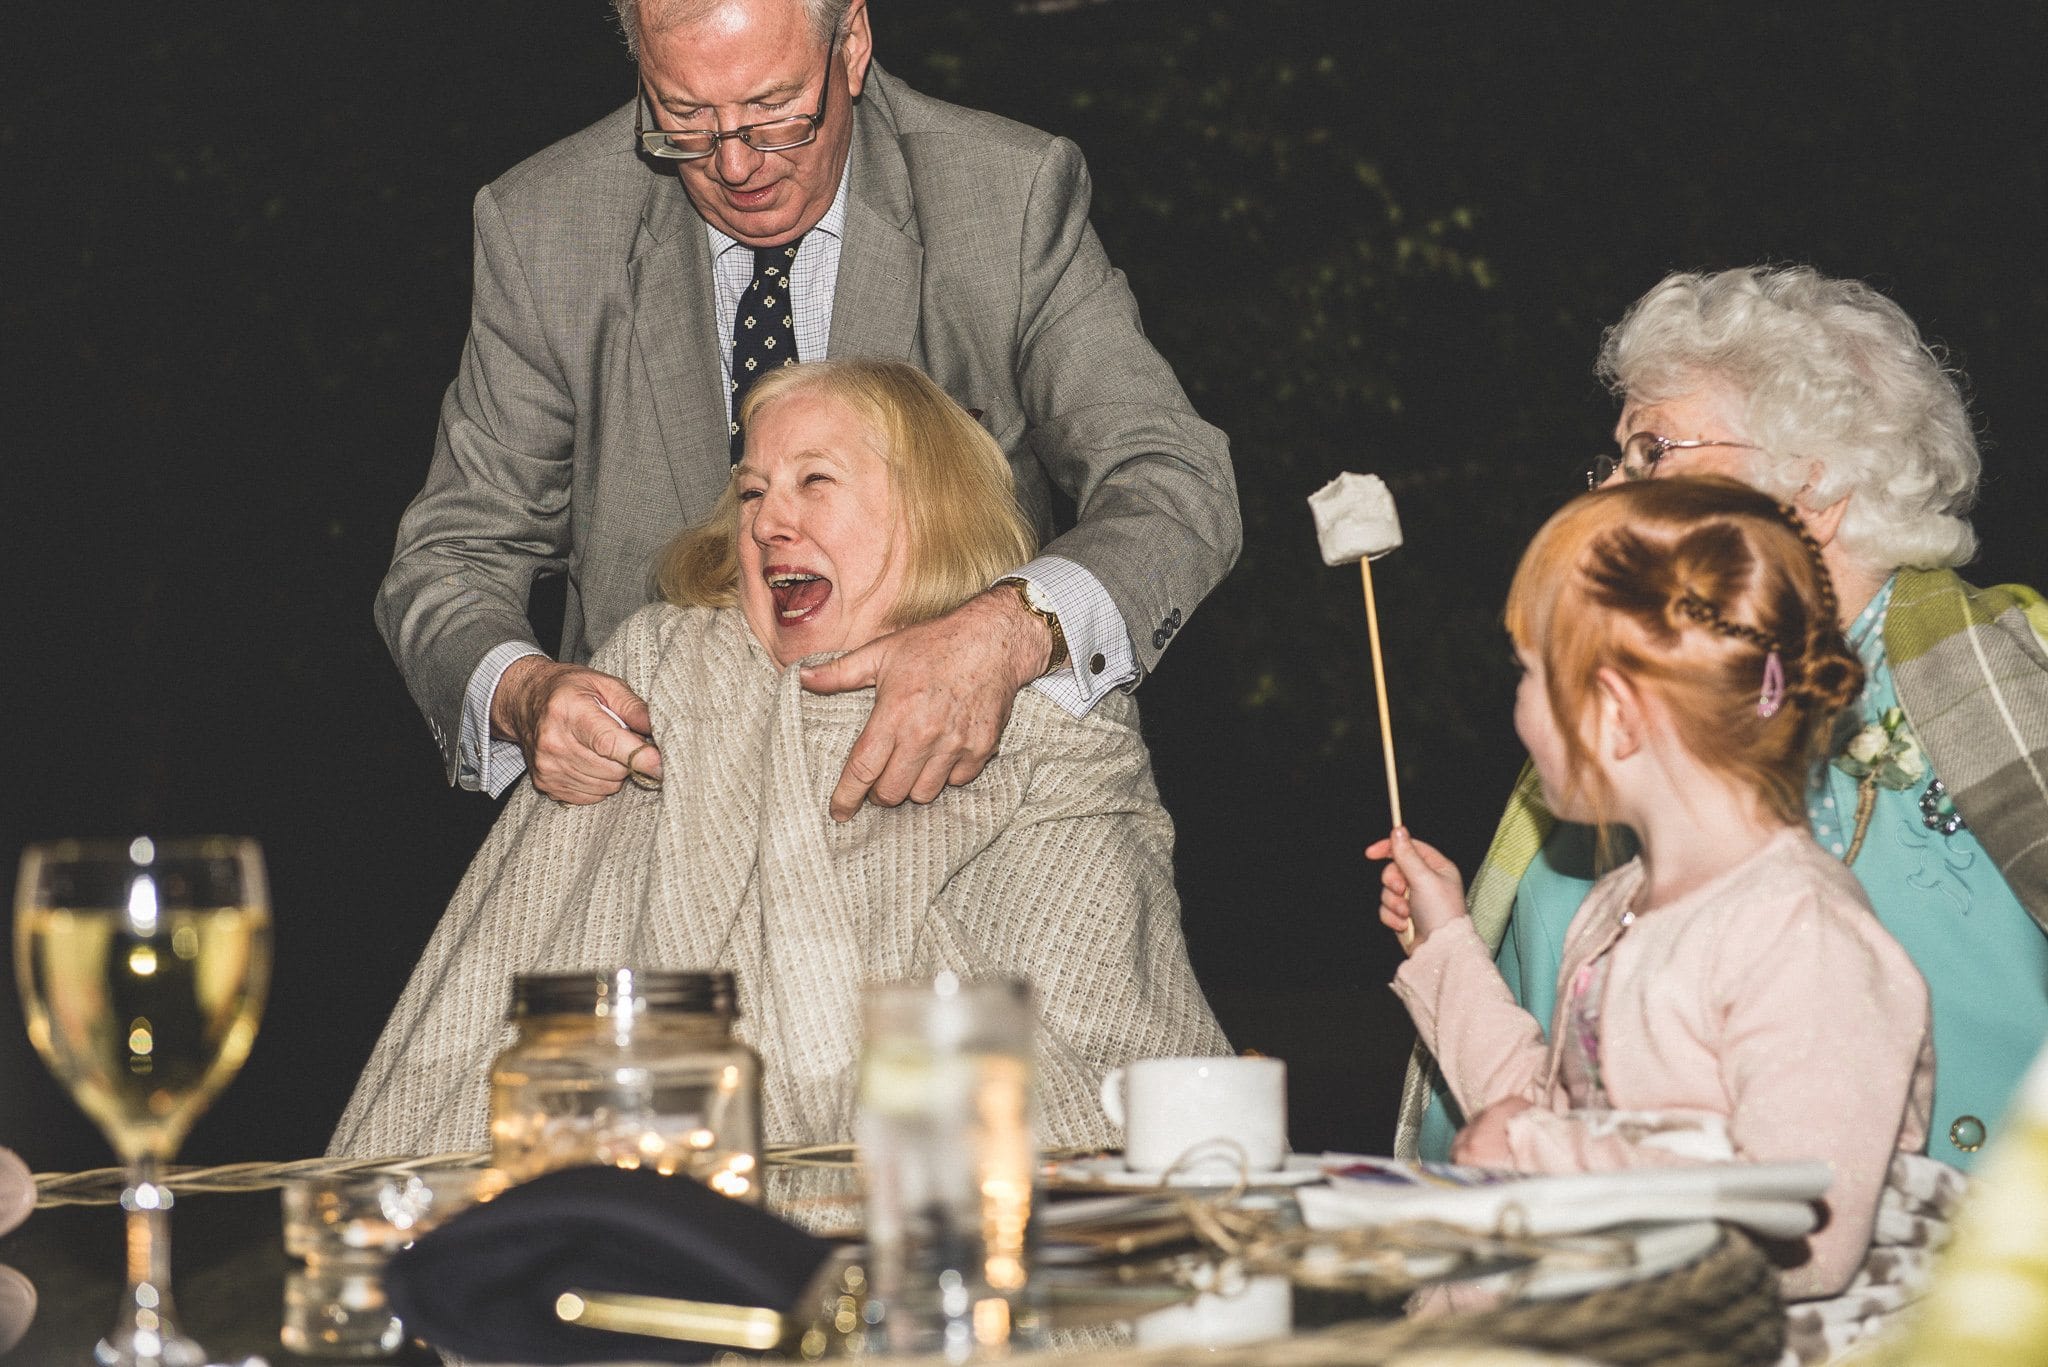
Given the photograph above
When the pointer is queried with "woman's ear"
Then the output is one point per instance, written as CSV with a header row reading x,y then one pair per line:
x,y
1822,522
1620,715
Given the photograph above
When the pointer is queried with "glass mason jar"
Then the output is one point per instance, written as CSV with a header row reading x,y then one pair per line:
x,y
629,1069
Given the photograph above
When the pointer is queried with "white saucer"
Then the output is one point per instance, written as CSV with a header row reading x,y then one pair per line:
x,y
1108,1173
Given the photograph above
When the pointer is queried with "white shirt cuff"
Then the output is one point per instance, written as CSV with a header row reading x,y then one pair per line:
x,y
486,764
1099,651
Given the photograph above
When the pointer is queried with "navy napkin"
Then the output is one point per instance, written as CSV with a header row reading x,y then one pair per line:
x,y
484,1284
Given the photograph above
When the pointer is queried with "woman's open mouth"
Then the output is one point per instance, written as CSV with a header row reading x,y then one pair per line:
x,y
797,594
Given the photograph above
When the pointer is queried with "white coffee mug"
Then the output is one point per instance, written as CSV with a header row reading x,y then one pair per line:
x,y
1210,1115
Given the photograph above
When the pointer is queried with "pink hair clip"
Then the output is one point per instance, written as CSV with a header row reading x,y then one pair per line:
x,y
1773,697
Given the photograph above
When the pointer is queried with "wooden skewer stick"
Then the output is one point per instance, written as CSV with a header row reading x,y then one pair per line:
x,y
1379,686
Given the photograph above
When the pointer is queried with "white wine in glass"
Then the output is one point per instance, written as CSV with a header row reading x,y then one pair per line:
x,y
143,966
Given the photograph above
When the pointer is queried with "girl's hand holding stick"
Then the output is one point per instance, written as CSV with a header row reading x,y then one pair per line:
x,y
1420,890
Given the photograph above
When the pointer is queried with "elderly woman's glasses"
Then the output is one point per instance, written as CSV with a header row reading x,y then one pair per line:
x,y
1640,454
776,135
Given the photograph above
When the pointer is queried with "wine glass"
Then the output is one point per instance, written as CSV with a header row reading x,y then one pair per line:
x,y
143,966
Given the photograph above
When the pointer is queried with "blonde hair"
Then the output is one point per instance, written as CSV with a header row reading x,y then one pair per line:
x,y
1685,587
949,483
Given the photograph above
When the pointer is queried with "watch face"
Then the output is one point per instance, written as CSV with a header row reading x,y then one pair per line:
x,y
1034,598
1040,605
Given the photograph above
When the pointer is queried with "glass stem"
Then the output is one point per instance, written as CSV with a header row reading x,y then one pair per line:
x,y
146,1334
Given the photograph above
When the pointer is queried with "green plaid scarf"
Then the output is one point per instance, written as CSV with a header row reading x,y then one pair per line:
x,y
1971,669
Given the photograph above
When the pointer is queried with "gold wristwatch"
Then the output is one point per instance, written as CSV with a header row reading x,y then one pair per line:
x,y
1039,606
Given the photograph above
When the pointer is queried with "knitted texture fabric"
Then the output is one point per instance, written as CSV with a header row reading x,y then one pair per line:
x,y
1055,865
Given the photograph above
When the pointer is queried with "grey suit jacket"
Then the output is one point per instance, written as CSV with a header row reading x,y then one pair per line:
x,y
587,424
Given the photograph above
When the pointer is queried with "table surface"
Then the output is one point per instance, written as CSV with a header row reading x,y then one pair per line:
x,y
229,1273
228,1276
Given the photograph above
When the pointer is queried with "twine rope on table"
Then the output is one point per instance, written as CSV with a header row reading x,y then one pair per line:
x,y
1376,1259
103,1186
1723,1310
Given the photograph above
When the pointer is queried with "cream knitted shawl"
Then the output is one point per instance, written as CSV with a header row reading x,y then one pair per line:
x,y
1055,866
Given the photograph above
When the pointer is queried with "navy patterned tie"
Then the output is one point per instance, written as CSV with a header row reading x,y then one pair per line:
x,y
763,330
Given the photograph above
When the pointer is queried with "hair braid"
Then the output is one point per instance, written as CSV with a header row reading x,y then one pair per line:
x,y
1831,607
1830,674
1698,609
1823,674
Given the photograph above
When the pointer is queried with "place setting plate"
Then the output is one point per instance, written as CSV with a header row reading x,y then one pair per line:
x,y
1106,1172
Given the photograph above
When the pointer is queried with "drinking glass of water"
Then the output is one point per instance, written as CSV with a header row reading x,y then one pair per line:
x,y
948,1156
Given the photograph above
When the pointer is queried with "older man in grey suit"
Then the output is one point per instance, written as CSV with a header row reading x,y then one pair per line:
x,y
618,315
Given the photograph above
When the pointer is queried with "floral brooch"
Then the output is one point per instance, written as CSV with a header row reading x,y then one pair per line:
x,y
1886,754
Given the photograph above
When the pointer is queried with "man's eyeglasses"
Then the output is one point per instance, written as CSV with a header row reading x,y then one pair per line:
x,y
1640,454
775,135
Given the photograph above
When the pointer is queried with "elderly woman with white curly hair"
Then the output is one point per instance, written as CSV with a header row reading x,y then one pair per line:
x,y
1935,790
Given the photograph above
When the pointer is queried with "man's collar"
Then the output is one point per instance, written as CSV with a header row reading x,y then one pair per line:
x,y
882,179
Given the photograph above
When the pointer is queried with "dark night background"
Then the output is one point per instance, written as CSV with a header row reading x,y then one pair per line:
x,y
1375,237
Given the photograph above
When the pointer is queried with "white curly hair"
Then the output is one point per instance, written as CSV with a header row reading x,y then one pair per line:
x,y
825,16
1837,388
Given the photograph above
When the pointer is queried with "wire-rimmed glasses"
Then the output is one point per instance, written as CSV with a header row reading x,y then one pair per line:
x,y
1640,454
774,135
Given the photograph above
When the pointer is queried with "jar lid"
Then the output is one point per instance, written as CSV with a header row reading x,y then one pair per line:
x,y
605,992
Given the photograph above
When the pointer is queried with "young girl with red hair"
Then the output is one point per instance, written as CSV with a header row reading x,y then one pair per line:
x,y
1726,993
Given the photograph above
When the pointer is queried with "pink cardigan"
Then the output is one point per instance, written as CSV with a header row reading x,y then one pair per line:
x,y
1769,1001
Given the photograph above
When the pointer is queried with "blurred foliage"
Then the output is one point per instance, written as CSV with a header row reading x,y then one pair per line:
x,y
1236,150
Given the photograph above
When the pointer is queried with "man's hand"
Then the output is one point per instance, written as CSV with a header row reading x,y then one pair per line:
x,y
576,750
943,691
1484,1142
1420,888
